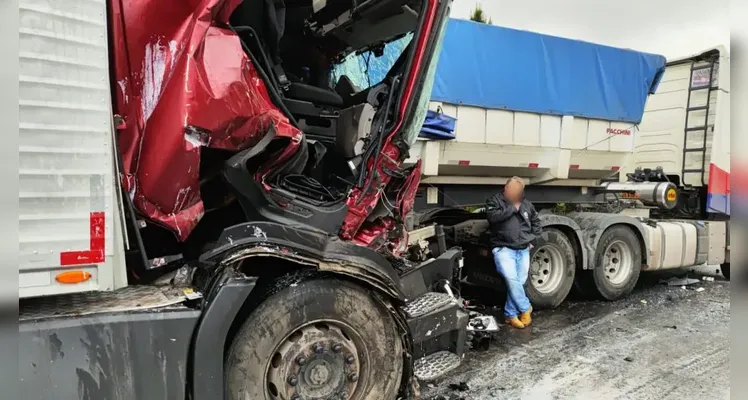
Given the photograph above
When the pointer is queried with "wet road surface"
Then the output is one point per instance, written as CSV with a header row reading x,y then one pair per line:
x,y
662,342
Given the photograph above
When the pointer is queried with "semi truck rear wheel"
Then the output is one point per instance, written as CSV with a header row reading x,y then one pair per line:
x,y
617,263
322,339
552,269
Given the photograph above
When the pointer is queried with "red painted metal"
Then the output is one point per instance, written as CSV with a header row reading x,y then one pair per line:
x,y
406,195
389,232
95,252
361,204
719,181
183,82
374,234
533,165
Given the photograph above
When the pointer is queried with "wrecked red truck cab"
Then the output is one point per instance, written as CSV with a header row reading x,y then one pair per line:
x,y
204,82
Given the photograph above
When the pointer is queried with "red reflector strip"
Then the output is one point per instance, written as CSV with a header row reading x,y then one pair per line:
x,y
615,168
463,163
574,166
95,253
533,165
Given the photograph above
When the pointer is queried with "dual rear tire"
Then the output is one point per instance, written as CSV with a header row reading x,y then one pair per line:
x,y
552,270
617,263
553,267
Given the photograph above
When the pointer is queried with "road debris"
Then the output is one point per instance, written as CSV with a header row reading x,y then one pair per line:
x,y
460,387
628,359
701,289
483,323
676,281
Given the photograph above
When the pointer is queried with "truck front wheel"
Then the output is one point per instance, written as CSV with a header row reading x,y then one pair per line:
x,y
318,339
552,268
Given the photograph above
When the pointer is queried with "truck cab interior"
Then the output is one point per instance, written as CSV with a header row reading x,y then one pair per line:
x,y
298,45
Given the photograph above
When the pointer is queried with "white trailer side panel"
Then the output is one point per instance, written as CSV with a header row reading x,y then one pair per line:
x,y
500,143
67,188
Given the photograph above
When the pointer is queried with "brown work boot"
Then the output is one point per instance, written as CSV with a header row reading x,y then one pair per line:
x,y
515,323
526,317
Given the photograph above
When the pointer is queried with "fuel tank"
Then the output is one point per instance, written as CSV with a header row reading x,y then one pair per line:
x,y
655,194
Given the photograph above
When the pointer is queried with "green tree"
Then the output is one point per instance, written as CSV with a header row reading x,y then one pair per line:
x,y
479,16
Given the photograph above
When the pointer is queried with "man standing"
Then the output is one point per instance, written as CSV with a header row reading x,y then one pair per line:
x,y
514,225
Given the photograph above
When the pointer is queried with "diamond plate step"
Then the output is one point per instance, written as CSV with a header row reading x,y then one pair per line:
x,y
436,365
427,302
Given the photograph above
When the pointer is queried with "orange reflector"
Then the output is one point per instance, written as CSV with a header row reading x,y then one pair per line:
x,y
463,163
73,277
533,165
574,166
616,168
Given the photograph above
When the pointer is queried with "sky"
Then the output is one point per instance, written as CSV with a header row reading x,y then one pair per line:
x,y
672,28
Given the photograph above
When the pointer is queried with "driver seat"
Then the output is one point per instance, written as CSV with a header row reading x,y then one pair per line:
x,y
313,94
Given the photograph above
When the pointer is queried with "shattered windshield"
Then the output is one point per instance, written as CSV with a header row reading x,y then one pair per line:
x,y
365,69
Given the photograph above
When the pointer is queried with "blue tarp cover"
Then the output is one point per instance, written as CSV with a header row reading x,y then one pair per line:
x,y
500,68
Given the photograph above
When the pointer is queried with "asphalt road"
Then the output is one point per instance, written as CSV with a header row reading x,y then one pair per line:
x,y
662,342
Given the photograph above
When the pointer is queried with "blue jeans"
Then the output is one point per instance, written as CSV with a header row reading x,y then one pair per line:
x,y
514,266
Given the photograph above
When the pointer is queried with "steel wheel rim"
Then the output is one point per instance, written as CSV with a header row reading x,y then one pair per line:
x,y
547,269
618,262
321,359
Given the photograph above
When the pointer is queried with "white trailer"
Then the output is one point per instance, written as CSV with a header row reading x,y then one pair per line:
x,y
68,207
597,180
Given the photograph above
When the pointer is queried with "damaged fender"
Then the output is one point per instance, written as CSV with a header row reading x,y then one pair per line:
x,y
231,288
551,220
594,224
316,249
221,308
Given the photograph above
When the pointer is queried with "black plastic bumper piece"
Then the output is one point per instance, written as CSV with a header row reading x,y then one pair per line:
x,y
422,279
222,306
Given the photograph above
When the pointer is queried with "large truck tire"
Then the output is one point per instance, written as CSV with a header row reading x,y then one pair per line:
x,y
617,264
552,269
318,339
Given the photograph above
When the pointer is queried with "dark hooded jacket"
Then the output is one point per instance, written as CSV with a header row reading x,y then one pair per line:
x,y
512,228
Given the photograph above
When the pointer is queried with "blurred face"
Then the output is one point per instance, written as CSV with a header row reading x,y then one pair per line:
x,y
513,191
